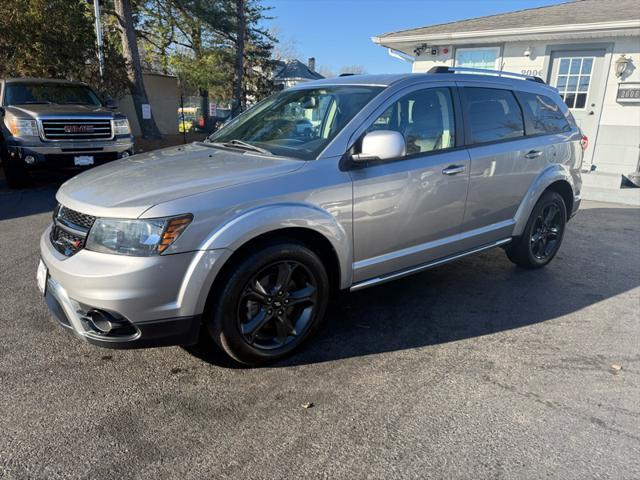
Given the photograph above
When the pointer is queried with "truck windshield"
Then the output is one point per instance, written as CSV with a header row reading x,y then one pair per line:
x,y
296,123
60,93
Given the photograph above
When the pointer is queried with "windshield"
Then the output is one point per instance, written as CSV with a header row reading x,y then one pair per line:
x,y
297,123
60,93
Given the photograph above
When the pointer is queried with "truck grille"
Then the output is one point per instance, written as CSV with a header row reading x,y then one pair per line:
x,y
74,129
70,230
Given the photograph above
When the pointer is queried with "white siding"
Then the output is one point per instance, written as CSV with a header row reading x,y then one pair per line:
x,y
617,146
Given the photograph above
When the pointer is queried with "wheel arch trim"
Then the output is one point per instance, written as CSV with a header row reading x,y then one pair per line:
x,y
550,175
270,218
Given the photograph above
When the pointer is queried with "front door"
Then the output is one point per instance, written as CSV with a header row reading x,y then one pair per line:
x,y
577,74
406,209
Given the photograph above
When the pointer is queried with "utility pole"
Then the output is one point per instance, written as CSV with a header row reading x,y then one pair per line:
x,y
99,41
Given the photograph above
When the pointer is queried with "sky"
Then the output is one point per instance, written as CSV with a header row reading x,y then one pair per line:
x,y
338,32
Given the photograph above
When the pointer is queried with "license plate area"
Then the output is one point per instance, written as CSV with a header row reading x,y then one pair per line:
x,y
41,277
83,160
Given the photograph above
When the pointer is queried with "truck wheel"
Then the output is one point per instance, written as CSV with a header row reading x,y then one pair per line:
x,y
542,235
14,173
272,301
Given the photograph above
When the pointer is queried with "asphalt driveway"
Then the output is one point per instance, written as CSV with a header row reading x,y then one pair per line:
x,y
472,370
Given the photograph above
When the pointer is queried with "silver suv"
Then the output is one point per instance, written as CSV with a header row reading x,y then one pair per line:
x,y
57,124
336,184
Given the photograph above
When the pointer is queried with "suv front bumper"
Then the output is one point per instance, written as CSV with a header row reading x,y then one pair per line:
x,y
160,297
153,333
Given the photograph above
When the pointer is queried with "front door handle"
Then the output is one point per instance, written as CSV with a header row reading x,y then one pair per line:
x,y
453,170
533,154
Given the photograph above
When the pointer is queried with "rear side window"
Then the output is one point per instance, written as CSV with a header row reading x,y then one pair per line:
x,y
543,114
494,115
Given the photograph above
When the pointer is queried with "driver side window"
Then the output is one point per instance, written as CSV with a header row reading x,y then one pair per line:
x,y
424,117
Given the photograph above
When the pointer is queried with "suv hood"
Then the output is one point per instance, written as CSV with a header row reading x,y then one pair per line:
x,y
44,109
127,188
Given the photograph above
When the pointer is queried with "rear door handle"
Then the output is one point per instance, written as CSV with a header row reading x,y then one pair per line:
x,y
453,170
533,154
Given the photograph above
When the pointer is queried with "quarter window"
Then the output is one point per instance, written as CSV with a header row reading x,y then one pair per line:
x,y
573,80
544,114
424,117
494,115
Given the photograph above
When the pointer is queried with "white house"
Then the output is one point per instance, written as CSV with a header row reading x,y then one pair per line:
x,y
588,49
293,71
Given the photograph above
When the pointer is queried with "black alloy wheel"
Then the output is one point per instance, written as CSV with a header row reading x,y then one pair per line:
x,y
542,235
268,302
545,235
277,305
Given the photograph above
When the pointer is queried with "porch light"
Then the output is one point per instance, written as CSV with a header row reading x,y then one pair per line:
x,y
622,64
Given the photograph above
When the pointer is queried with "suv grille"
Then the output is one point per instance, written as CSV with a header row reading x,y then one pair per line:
x,y
76,218
74,129
70,230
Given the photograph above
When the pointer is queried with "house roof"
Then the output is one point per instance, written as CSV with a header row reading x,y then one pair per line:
x,y
294,69
572,13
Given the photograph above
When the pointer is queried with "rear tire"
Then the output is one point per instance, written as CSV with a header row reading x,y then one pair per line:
x,y
271,302
543,233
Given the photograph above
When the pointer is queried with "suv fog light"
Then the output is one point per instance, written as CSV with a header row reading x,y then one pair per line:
x,y
101,321
106,324
29,159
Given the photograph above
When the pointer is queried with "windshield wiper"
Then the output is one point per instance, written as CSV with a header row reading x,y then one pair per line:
x,y
247,146
36,102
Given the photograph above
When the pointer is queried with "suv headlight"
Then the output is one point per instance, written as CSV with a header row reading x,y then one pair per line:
x,y
138,238
21,127
121,126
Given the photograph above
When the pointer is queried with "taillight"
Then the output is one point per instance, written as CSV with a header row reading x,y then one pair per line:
x,y
584,143
201,122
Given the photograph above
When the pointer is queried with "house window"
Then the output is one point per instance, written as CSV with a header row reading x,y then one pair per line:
x,y
485,57
573,80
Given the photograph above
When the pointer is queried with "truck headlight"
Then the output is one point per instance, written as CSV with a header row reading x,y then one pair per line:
x,y
21,127
121,126
138,238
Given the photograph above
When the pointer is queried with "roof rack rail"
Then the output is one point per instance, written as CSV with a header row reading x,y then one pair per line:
x,y
498,73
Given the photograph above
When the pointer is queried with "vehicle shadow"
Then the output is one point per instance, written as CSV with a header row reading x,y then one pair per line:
x,y
478,296
38,197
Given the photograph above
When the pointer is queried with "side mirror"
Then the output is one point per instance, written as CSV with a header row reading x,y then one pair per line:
x,y
381,145
111,104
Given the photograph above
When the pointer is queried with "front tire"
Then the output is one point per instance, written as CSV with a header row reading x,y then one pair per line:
x,y
543,233
15,173
271,303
